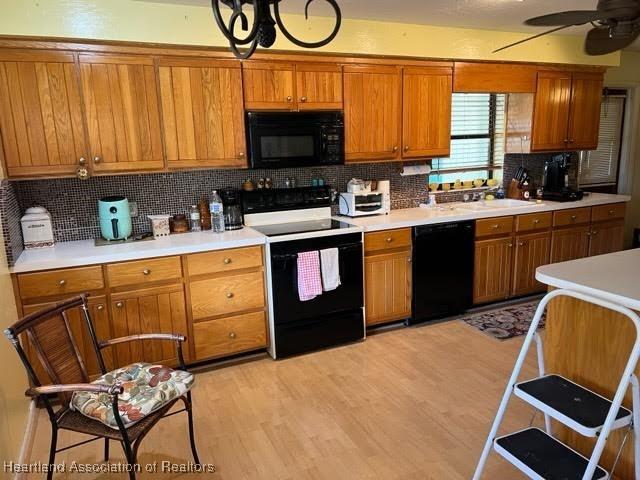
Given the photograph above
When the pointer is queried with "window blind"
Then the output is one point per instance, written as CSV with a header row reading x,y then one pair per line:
x,y
477,133
600,167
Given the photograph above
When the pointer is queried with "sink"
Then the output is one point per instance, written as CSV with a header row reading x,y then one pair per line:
x,y
484,205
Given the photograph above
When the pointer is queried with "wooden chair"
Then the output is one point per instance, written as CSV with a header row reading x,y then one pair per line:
x,y
49,332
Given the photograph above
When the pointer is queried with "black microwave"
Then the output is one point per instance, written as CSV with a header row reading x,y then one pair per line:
x,y
295,139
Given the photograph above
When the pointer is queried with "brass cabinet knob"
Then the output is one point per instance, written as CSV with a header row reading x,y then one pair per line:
x,y
536,221
100,307
395,149
227,261
241,154
595,232
510,245
82,161
119,304
62,282
96,159
409,259
229,295
588,234
574,217
303,99
289,98
406,148
146,271
389,239
232,334
571,140
497,225
611,212
521,244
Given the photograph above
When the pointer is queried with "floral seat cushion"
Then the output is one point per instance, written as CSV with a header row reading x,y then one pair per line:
x,y
146,387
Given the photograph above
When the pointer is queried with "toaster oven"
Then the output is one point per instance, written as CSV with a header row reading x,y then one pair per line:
x,y
363,203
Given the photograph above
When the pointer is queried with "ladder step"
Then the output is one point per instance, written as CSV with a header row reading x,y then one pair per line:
x,y
542,457
571,404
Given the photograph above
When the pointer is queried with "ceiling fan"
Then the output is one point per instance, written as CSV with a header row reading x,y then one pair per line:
x,y
616,24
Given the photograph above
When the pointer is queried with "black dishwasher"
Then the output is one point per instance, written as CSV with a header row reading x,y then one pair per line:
x,y
442,270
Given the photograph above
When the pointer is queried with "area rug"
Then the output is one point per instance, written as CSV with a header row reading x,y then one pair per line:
x,y
507,322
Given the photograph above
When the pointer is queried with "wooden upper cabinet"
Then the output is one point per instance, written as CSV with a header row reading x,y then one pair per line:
x,y
269,86
202,112
476,77
551,111
372,112
123,115
584,118
40,113
319,86
426,125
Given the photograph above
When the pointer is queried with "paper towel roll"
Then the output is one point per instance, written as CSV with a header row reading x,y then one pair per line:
x,y
422,169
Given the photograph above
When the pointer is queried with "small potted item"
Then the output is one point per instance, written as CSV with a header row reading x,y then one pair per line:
x,y
36,228
160,225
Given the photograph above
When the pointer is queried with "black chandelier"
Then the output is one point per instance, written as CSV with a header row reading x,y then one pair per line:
x,y
263,31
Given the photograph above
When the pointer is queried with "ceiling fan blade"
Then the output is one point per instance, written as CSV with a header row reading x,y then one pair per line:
x,y
532,38
572,17
598,41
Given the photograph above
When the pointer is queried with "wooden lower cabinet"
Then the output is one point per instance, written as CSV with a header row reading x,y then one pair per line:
x,y
493,264
532,251
570,243
388,287
99,312
229,335
606,238
151,310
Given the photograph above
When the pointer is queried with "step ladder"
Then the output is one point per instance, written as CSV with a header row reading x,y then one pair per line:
x,y
536,452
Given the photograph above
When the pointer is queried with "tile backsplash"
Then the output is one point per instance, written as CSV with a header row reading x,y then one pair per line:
x,y
73,203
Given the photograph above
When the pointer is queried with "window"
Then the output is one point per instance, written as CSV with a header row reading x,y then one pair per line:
x,y
478,124
599,168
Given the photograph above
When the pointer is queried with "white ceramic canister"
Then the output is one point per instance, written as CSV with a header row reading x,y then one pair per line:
x,y
37,231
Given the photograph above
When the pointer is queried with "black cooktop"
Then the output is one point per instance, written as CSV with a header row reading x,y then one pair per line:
x,y
300,227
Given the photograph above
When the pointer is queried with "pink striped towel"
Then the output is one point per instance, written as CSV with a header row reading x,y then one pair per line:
x,y
309,280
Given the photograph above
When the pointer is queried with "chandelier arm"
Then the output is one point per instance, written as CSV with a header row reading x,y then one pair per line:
x,y
247,53
292,39
237,13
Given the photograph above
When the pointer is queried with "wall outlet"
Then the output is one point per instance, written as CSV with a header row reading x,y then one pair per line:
x,y
133,209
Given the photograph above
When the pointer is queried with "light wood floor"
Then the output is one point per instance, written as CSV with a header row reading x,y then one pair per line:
x,y
411,403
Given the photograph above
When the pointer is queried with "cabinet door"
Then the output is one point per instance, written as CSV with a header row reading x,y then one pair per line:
x,y
202,112
40,113
426,125
551,111
532,251
153,310
492,270
606,238
584,118
99,312
268,86
570,244
123,116
372,112
319,86
387,287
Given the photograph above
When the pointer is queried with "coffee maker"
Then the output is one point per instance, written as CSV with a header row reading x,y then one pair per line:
x,y
555,183
233,219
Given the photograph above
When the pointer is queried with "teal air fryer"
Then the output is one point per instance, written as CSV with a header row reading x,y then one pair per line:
x,y
115,219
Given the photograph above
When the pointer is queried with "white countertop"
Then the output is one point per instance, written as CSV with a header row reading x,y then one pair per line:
x,y
410,217
84,252
614,277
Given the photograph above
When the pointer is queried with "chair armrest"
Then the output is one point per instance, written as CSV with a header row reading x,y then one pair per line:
x,y
143,336
75,387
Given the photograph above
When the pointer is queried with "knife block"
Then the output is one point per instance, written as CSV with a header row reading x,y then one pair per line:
x,y
514,191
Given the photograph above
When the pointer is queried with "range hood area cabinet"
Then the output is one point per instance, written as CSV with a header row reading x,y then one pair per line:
x,y
562,115
292,86
394,113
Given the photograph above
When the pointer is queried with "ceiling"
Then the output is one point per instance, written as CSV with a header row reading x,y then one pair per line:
x,y
503,15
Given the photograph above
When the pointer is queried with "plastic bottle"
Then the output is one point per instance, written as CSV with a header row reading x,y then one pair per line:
x,y
194,219
217,217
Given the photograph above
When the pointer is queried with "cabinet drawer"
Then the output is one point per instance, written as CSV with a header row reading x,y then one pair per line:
x,y
533,221
225,295
60,282
573,216
229,335
144,271
494,226
224,260
607,212
387,240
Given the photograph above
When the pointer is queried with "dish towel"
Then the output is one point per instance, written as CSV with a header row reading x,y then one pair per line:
x,y
309,282
330,268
